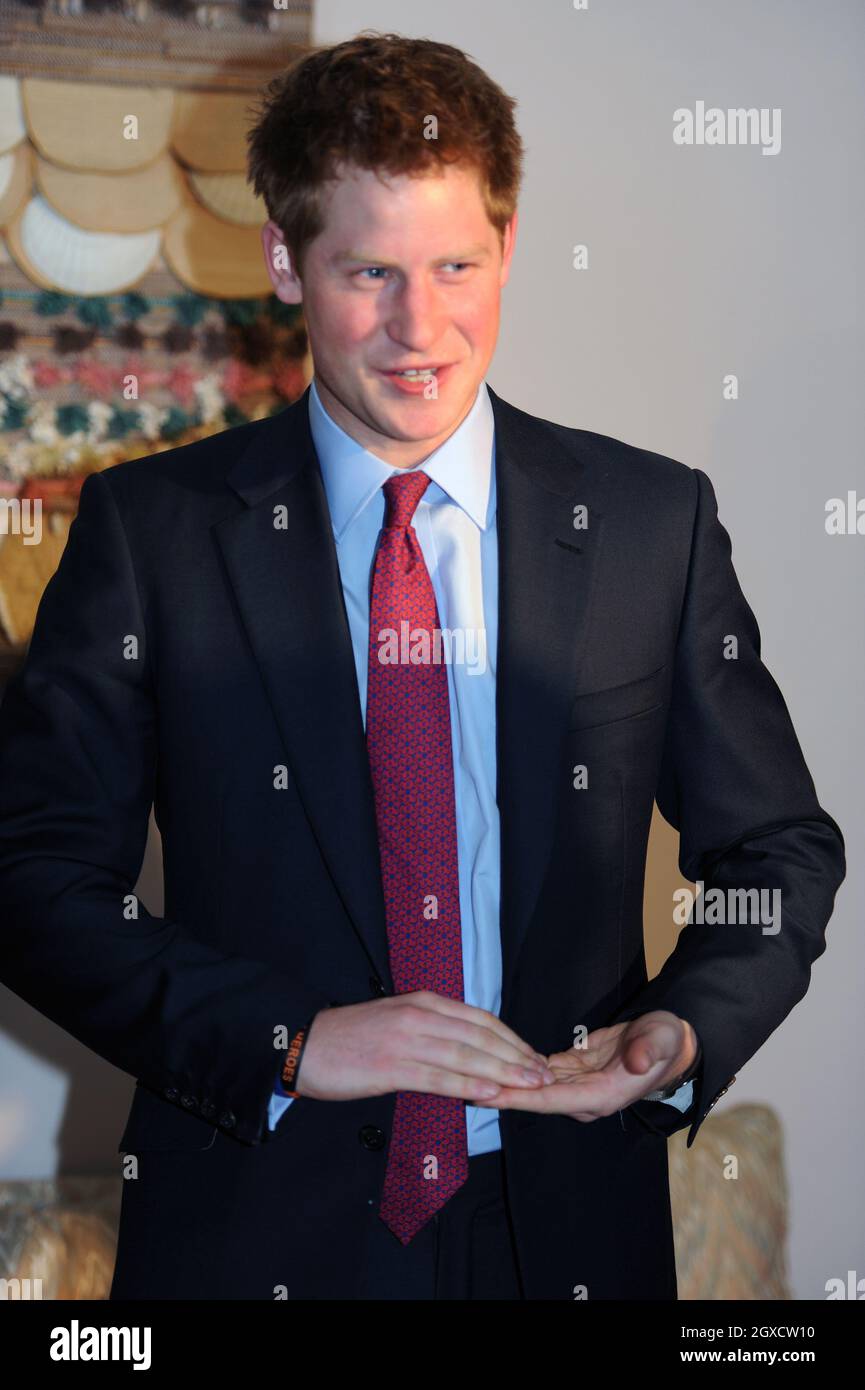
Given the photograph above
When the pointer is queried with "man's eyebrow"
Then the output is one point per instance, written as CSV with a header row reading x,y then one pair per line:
x,y
473,252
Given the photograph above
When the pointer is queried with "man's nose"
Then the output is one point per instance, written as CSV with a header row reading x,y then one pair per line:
x,y
417,317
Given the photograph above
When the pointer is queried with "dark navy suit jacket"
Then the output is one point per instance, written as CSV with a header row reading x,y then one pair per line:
x,y
187,646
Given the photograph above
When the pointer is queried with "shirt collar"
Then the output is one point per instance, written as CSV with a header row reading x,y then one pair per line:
x,y
461,466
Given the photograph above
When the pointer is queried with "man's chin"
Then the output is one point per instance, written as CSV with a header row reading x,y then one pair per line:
x,y
415,418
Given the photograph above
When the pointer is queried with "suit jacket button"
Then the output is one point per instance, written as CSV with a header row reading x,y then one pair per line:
x,y
171,1093
208,1108
371,1137
189,1102
228,1121
376,985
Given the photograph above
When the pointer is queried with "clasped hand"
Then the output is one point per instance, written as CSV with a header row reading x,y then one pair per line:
x,y
618,1065
424,1042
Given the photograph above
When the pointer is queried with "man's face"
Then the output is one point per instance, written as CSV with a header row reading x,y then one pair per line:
x,y
406,273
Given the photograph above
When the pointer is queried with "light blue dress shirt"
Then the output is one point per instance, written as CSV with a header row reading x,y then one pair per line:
x,y
455,527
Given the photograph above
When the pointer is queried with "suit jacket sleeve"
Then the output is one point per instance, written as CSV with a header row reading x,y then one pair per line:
x,y
734,783
78,761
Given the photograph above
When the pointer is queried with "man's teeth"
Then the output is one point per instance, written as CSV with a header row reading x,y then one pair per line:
x,y
423,371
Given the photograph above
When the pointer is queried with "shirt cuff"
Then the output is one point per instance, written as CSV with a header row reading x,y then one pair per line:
x,y
682,1099
276,1108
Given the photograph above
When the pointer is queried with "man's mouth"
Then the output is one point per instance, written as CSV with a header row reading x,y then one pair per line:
x,y
414,381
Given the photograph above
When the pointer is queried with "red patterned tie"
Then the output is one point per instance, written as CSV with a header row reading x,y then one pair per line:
x,y
408,734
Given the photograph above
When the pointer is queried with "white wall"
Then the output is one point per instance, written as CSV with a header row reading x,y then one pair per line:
x,y
703,261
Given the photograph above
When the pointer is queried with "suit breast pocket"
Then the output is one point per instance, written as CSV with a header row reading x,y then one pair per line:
x,y
157,1125
619,702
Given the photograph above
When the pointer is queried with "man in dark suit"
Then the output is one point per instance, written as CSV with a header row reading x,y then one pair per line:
x,y
402,670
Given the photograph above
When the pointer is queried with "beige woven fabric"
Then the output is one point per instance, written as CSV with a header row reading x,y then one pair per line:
x,y
731,1231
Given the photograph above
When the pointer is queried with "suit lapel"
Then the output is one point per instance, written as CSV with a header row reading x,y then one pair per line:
x,y
281,561
287,586
545,584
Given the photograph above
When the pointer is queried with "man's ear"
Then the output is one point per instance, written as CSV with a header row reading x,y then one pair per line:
x,y
281,265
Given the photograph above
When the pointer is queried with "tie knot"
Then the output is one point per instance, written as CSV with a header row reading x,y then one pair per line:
x,y
402,493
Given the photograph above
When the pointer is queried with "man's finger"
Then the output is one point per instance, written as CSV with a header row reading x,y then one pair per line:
x,y
563,1098
481,1018
459,1057
661,1042
458,1032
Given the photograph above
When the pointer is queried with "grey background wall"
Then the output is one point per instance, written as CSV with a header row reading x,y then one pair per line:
x,y
703,261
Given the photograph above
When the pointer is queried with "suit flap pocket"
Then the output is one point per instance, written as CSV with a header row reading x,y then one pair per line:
x,y
618,701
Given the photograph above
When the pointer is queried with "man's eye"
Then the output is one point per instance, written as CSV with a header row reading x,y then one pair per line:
x,y
377,270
